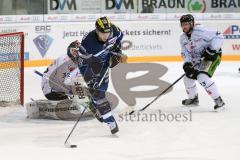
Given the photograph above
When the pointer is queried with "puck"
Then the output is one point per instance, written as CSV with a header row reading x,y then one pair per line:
x,y
73,146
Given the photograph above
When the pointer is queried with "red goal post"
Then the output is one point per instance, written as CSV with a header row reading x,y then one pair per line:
x,y
11,68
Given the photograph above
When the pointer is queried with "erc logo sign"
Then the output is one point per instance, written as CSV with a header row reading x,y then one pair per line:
x,y
43,42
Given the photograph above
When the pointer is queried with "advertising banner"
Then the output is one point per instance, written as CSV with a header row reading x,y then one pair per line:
x,y
73,6
92,6
186,6
151,38
119,6
142,6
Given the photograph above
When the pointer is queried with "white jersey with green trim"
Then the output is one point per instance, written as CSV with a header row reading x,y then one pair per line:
x,y
192,48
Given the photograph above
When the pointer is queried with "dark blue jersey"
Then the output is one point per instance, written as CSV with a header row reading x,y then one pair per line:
x,y
100,50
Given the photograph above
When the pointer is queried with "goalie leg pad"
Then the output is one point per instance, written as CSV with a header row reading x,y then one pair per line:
x,y
58,110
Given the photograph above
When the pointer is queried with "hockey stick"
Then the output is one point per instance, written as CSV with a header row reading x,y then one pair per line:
x,y
61,86
142,109
86,55
47,78
163,92
66,144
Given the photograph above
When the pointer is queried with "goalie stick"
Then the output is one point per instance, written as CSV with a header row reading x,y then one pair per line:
x,y
47,78
62,87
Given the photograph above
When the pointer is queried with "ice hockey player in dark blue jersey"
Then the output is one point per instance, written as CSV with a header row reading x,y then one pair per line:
x,y
100,50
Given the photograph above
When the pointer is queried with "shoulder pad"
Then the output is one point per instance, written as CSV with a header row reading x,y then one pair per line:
x,y
116,28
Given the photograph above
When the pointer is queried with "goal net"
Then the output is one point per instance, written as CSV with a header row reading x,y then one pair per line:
x,y
11,69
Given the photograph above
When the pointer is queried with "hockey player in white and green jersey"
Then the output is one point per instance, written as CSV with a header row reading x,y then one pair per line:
x,y
201,51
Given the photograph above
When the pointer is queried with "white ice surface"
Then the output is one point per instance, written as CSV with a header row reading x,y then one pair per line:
x,y
209,136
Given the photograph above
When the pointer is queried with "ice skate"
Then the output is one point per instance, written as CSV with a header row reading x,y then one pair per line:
x,y
191,102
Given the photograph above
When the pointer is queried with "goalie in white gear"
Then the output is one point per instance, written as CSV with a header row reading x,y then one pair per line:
x,y
63,86
58,77
201,50
62,79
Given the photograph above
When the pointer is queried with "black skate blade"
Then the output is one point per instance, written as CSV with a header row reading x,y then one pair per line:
x,y
115,130
190,105
219,109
